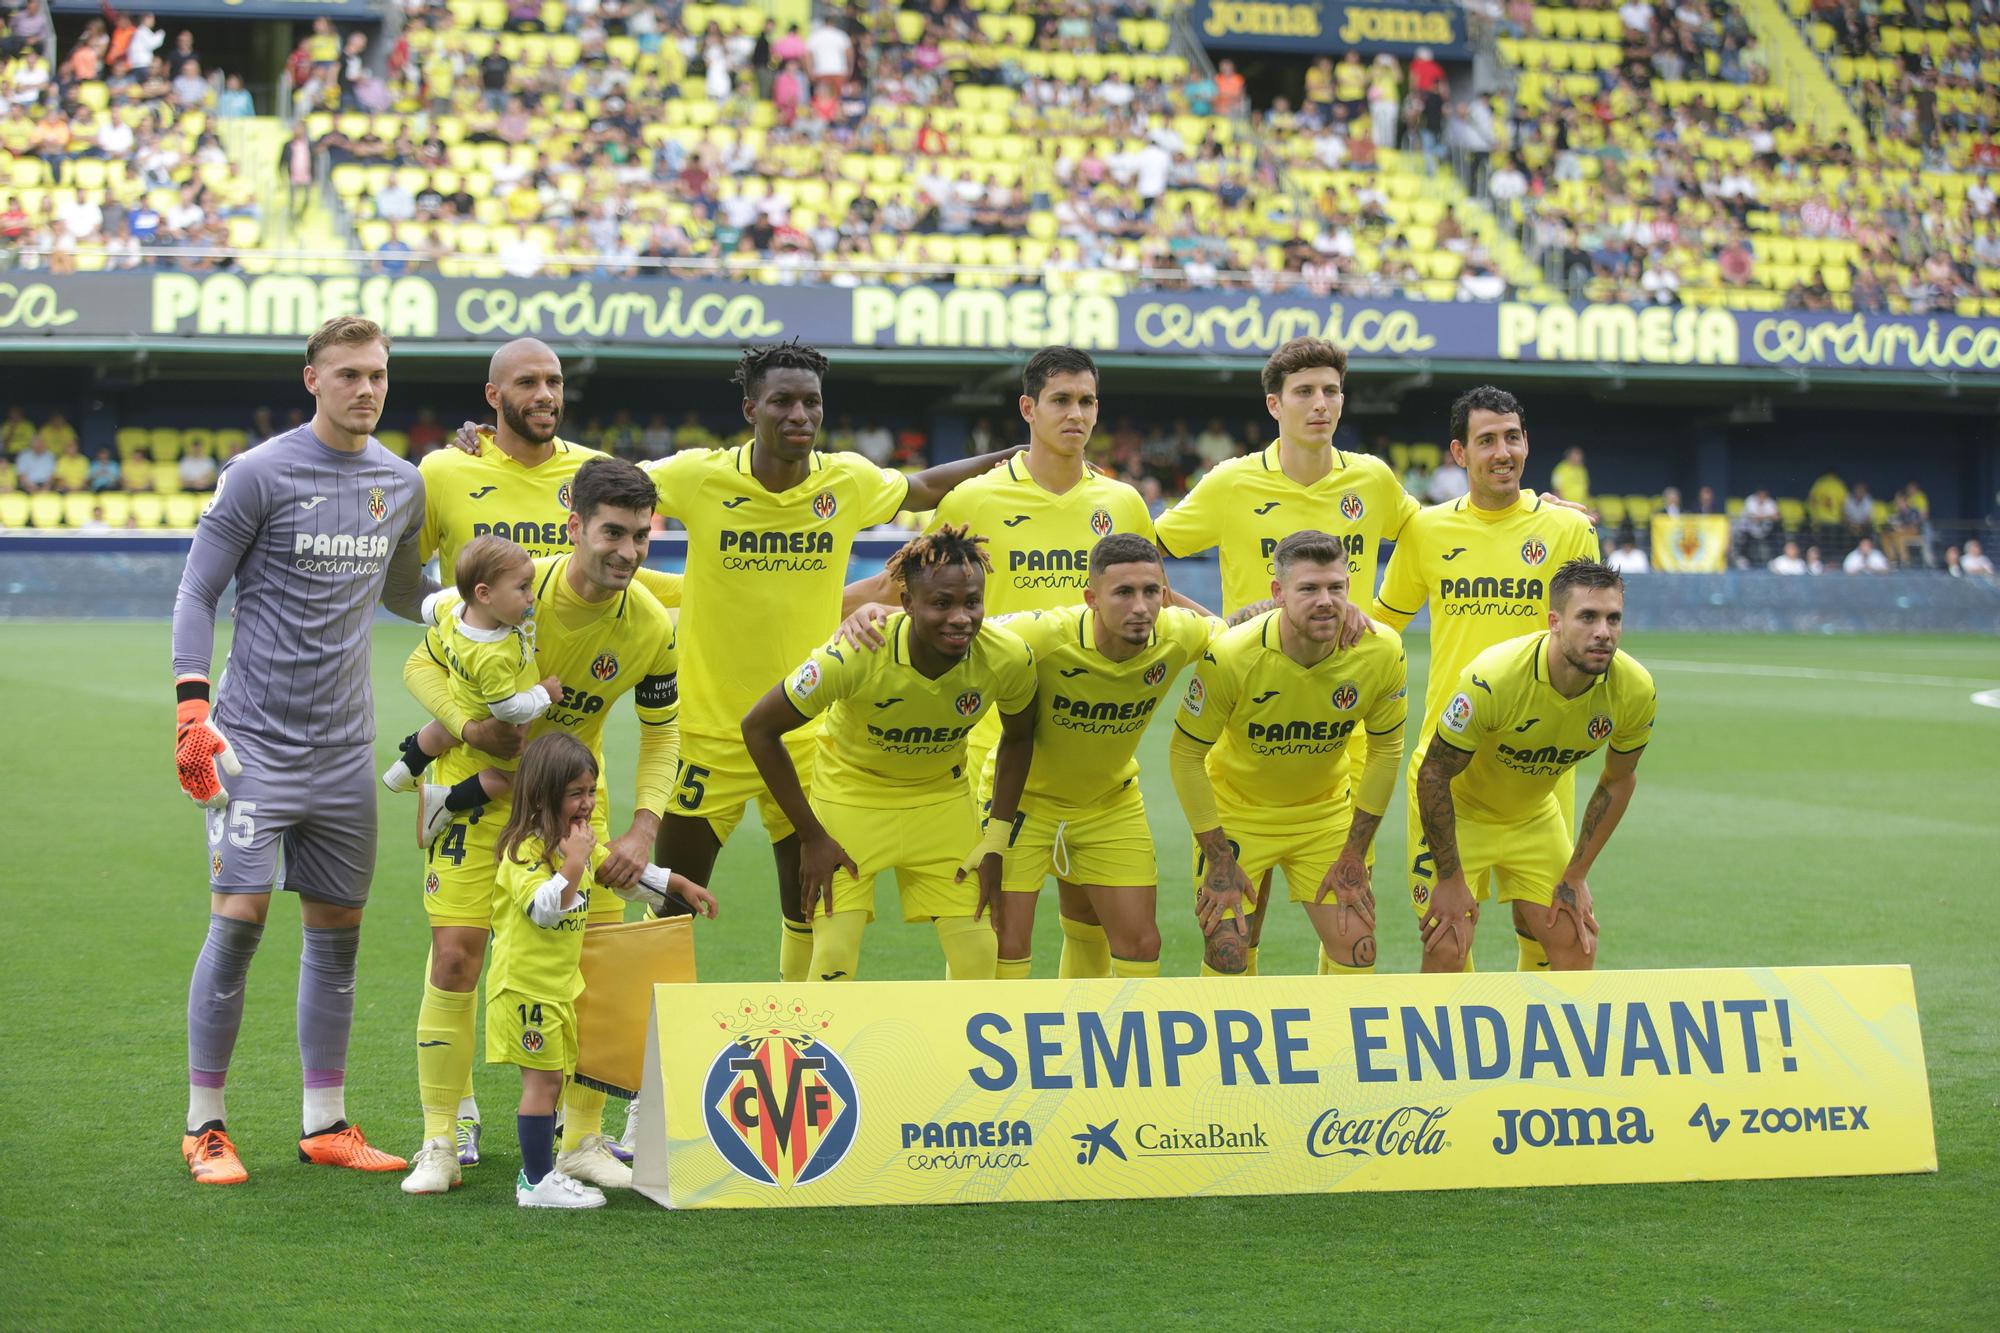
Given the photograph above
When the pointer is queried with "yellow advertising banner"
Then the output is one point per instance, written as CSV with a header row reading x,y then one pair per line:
x,y
1690,543
962,1092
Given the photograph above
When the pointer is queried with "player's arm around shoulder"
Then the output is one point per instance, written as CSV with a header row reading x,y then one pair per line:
x,y
1406,581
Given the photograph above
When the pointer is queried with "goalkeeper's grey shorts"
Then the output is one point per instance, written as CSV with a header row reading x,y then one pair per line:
x,y
315,802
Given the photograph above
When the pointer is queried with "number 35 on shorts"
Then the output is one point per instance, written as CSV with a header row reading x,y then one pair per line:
x,y
238,824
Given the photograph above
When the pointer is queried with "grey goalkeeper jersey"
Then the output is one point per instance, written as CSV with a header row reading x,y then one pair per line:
x,y
314,538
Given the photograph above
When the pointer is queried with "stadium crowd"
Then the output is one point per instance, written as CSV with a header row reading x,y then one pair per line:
x,y
1642,153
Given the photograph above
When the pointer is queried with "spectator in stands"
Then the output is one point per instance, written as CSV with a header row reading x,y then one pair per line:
x,y
1228,89
15,432
191,91
35,469
197,470
234,102
1705,502
1670,502
1906,538
830,52
1571,479
137,472
1757,527
1789,561
691,434
1213,445
1825,501
1973,560
1448,482
295,168
875,443
72,470
1857,512
57,433
1629,559
1865,559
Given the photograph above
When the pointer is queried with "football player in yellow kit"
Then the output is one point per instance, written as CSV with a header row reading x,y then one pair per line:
x,y
890,791
1483,562
770,526
1522,716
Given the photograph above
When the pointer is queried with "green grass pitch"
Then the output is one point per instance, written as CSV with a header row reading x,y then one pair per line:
x,y
1807,801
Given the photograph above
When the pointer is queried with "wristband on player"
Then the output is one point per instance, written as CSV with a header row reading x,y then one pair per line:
x,y
993,842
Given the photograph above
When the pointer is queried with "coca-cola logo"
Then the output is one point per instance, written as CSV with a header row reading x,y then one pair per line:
x,y
1407,1131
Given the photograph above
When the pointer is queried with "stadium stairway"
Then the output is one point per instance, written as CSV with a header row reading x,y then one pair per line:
x,y
1813,98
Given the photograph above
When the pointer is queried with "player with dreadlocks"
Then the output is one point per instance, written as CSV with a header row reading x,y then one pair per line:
x,y
889,791
770,525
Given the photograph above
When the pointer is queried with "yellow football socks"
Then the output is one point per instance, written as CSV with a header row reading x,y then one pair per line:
x,y
446,1029
971,949
1534,958
1085,952
1013,969
1132,967
795,951
836,951
583,1114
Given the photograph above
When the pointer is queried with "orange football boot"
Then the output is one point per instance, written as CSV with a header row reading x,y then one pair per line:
x,y
211,1157
343,1145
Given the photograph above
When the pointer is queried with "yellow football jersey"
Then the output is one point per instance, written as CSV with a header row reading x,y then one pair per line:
x,y
1486,575
764,571
892,732
1524,736
468,495
1246,506
485,670
600,651
543,961
1040,542
1280,730
1090,711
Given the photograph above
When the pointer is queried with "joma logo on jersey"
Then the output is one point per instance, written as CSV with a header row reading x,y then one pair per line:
x,y
1100,522
968,703
778,543
1037,562
1299,730
1533,552
378,504
1155,673
1487,589
604,666
779,1105
1353,543
534,536
919,735
1351,507
373,546
1599,728
824,505
1346,696
1103,712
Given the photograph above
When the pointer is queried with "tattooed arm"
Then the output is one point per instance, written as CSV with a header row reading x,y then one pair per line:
x,y
1593,830
1452,904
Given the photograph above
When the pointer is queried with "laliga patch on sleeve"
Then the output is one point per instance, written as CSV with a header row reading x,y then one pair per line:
x,y
806,681
1197,695
1457,713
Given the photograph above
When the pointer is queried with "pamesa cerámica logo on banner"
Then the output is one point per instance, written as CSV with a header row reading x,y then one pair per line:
x,y
778,1103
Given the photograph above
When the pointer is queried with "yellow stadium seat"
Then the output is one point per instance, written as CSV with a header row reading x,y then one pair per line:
x,y
45,510
395,441
1639,508
1611,509
231,442
13,510
1792,513
1430,455
181,509
77,508
132,440
166,444
148,511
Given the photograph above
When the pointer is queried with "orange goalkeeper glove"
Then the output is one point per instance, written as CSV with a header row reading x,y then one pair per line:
x,y
201,754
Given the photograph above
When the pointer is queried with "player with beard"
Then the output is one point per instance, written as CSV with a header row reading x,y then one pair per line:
x,y
1521,717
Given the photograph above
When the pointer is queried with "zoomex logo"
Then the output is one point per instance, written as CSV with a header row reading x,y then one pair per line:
x,y
1570,1127
1406,1131
778,1103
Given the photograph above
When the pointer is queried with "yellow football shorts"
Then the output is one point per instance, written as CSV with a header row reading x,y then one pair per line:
x,y
535,1034
1525,859
717,780
1413,826
1304,852
1111,846
924,845
461,869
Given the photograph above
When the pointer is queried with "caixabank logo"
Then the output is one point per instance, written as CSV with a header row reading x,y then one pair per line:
x,y
778,1103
